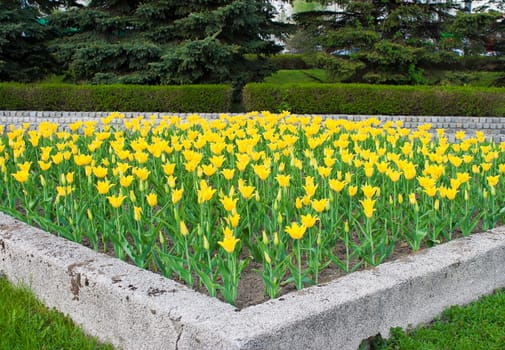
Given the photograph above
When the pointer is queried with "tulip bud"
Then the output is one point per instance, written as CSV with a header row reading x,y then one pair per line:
x,y
267,258
264,237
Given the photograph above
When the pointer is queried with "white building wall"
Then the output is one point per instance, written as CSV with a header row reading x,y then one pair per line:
x,y
285,9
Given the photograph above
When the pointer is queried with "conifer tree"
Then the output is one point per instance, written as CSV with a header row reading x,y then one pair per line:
x,y
23,53
166,41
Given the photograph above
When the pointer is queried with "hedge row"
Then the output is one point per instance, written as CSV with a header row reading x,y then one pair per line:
x,y
375,99
67,97
297,98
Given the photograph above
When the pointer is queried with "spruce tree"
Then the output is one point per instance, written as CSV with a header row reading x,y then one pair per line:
x,y
166,41
23,53
379,41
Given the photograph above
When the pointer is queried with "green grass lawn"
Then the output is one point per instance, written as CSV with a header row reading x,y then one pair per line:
x,y
25,323
476,326
297,76
435,77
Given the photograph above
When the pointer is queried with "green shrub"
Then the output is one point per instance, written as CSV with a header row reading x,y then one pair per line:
x,y
375,99
67,97
482,63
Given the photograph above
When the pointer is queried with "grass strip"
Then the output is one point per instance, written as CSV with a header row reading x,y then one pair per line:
x,y
478,325
25,323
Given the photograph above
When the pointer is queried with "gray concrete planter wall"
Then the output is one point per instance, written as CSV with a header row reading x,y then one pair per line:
x,y
493,127
137,309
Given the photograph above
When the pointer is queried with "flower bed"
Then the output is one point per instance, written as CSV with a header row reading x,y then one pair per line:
x,y
199,200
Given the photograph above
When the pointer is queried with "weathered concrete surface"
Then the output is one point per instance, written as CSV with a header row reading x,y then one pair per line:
x,y
137,309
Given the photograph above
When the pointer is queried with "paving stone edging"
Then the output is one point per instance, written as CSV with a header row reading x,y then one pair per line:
x,y
493,127
137,309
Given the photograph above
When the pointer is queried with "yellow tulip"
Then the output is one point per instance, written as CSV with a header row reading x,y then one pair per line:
x,y
336,185
141,173
369,191
141,157
103,186
369,171
309,187
168,168
152,199
233,219
242,159
451,193
486,166
205,243
125,181
455,183
245,191
283,180
183,228
44,165
493,180
295,231
393,175
69,177
228,173
63,191
229,242
324,172
205,193
209,169
171,181
229,203
352,190
116,201
217,161
320,205
137,213
409,171
177,195
100,172
460,135
430,191
309,220
57,158
455,161
368,207
82,159
262,171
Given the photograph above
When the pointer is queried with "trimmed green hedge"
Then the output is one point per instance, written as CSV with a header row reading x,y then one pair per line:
x,y
374,99
68,97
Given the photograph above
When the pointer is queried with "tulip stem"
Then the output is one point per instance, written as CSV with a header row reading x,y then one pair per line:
x,y
299,283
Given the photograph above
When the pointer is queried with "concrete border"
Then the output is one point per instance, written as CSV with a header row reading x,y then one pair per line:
x,y
493,127
137,309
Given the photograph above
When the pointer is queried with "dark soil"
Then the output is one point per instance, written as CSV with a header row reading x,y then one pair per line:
x,y
251,287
